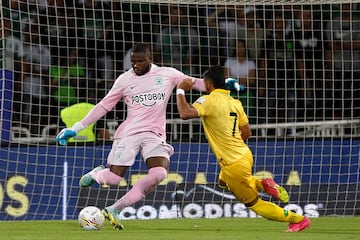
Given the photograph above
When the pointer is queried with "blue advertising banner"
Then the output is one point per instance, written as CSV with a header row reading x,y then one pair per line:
x,y
190,200
32,177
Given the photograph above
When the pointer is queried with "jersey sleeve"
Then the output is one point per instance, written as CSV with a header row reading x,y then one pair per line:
x,y
106,104
200,105
179,76
243,119
199,84
116,92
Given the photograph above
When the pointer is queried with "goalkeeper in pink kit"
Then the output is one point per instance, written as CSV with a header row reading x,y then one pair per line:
x,y
145,89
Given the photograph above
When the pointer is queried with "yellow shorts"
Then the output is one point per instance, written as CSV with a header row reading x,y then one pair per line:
x,y
239,179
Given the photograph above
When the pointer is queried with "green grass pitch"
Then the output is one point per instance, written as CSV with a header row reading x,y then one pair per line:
x,y
323,228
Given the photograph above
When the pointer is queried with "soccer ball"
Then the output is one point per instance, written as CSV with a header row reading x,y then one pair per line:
x,y
91,218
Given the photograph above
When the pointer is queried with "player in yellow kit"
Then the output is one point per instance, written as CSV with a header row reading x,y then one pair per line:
x,y
226,127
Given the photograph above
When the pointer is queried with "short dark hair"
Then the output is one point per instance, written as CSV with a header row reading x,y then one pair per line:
x,y
216,75
141,48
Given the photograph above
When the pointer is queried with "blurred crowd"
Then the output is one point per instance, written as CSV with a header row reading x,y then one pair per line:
x,y
294,63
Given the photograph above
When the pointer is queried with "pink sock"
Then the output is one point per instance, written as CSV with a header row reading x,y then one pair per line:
x,y
105,176
141,188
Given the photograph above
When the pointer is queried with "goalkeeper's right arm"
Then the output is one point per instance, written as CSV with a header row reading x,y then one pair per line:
x,y
94,115
67,133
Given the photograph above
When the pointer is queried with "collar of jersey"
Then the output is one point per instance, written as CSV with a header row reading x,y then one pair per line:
x,y
219,90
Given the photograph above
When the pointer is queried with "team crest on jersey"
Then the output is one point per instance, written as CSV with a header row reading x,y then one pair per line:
x,y
159,81
201,100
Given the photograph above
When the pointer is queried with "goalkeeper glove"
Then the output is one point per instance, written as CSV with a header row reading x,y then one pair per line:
x,y
233,84
67,133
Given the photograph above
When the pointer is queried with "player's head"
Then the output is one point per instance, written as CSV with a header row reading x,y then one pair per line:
x,y
214,78
141,58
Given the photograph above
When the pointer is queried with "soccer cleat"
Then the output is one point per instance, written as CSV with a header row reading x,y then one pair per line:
x,y
275,190
87,180
113,217
297,227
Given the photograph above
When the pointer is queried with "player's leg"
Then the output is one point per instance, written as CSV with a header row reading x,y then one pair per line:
x,y
102,176
247,193
274,212
111,214
157,172
88,179
156,153
121,156
242,184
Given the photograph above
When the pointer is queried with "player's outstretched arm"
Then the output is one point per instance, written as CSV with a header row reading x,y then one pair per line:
x,y
198,84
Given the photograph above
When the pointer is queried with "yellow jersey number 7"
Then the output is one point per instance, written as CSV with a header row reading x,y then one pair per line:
x,y
234,114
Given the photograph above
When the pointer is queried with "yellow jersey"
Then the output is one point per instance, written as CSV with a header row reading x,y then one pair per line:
x,y
221,116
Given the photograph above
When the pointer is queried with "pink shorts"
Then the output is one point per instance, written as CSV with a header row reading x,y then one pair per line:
x,y
125,150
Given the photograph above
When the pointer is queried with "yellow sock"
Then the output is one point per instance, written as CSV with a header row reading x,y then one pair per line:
x,y
272,211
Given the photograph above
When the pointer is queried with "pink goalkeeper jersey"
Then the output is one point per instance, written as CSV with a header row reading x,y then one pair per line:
x,y
146,98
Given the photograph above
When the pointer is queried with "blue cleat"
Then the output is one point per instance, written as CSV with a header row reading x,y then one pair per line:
x,y
87,180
